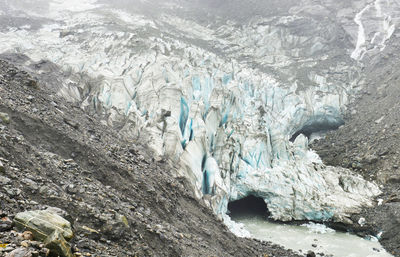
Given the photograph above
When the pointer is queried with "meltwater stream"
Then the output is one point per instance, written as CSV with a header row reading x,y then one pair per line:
x,y
314,237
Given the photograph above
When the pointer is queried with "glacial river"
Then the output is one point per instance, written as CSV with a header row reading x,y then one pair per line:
x,y
314,237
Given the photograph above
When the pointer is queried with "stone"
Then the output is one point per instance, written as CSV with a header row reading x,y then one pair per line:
x,y
4,180
5,227
30,184
5,224
123,219
44,251
361,221
71,189
58,245
47,226
310,254
61,213
9,248
91,230
25,244
32,83
2,167
19,252
117,227
43,223
27,235
4,118
11,191
371,158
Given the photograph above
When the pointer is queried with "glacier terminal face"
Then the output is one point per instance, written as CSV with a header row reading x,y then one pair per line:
x,y
231,100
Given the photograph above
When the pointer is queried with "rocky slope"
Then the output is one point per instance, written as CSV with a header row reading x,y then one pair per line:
x,y
368,143
53,154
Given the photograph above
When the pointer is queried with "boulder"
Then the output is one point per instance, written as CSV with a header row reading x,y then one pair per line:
x,y
43,223
58,245
49,227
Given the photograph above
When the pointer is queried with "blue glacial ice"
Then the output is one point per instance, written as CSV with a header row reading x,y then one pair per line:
x,y
226,123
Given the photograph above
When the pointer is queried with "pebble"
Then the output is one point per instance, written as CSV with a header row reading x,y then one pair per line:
x,y
25,243
27,235
4,180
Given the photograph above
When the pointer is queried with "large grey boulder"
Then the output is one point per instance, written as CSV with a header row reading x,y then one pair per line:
x,y
43,223
49,227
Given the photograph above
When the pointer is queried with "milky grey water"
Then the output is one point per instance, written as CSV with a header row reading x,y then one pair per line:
x,y
314,237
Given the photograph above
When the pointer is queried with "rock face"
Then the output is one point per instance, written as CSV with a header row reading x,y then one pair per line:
x,y
221,97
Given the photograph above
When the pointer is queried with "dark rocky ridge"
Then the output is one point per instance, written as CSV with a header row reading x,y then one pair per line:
x,y
53,154
369,143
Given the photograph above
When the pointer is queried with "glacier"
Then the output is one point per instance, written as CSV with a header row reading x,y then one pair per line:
x,y
232,104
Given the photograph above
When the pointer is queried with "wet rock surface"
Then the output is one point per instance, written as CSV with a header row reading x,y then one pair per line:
x,y
368,144
120,201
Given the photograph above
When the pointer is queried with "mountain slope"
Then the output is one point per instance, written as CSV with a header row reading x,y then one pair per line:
x,y
368,143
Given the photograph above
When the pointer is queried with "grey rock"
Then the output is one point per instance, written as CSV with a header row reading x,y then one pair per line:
x,y
371,158
4,180
5,224
117,227
61,213
58,245
4,118
2,168
30,184
43,223
11,191
71,188
47,191
19,252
